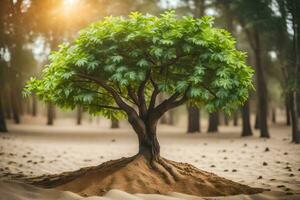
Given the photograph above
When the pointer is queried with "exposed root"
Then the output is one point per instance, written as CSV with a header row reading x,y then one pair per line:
x,y
138,175
165,173
170,169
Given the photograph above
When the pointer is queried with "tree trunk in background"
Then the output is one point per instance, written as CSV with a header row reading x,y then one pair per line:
x,y
15,106
235,119
79,115
50,114
296,74
193,120
226,119
287,110
256,124
34,106
164,119
193,112
294,119
171,117
273,115
114,123
213,122
2,117
199,8
7,105
261,88
246,125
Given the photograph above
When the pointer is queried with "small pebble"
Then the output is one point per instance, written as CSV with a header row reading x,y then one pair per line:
x,y
267,149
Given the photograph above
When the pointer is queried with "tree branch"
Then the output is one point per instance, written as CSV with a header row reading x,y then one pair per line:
x,y
128,109
132,95
169,104
154,95
104,106
141,95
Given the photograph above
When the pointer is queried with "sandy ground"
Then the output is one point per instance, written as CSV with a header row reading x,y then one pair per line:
x,y
35,149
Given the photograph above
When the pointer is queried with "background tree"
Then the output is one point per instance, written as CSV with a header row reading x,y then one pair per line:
x,y
213,122
293,7
256,19
193,111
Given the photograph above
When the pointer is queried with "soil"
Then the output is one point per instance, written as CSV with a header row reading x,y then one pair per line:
x,y
137,175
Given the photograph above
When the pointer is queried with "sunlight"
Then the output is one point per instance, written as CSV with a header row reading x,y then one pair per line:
x,y
70,2
69,5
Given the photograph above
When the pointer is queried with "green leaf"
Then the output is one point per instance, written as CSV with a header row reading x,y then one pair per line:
x,y
143,63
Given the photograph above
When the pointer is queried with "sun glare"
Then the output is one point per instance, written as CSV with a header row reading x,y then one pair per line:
x,y
70,2
69,5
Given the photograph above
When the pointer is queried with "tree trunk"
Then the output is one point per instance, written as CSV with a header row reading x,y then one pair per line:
x,y
50,114
226,119
246,130
261,89
235,118
294,117
34,105
193,120
114,123
2,118
296,74
149,145
15,107
193,112
287,110
273,115
7,106
79,115
213,122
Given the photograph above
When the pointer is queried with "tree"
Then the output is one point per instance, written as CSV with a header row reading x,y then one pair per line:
x,y
213,122
293,7
256,18
125,63
193,119
3,65
193,111
246,130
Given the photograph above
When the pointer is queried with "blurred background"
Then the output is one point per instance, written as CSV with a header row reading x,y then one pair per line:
x,y
268,30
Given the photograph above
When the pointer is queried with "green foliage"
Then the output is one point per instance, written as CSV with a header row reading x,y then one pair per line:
x,y
185,55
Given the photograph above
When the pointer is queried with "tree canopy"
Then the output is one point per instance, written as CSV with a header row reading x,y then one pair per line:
x,y
123,63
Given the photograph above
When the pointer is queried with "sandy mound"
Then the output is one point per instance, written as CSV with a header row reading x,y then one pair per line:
x,y
137,175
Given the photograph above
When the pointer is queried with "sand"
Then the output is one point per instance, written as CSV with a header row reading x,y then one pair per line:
x,y
33,150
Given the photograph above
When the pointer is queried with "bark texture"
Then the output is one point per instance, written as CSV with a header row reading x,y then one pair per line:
x,y
246,126
193,120
2,118
261,88
79,115
213,122
50,114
